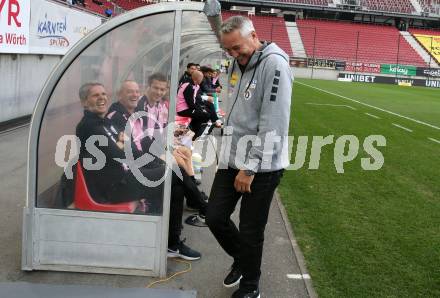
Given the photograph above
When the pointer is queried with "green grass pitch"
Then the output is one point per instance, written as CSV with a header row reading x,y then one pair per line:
x,y
368,233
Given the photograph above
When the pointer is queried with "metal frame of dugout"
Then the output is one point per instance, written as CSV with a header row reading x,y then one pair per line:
x,y
154,38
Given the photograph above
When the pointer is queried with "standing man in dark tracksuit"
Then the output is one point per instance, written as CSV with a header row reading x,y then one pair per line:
x,y
259,98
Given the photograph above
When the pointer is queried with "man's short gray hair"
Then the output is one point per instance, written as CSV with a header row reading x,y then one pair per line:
x,y
238,23
85,89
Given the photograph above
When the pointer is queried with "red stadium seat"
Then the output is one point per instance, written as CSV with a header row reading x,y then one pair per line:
x,y
182,120
84,201
402,6
99,8
309,2
430,6
93,7
424,31
339,41
131,4
268,28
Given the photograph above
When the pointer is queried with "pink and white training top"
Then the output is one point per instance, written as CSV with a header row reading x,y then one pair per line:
x,y
181,102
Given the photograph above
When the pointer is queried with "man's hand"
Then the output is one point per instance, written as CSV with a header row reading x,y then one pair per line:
x,y
178,153
121,140
242,182
122,137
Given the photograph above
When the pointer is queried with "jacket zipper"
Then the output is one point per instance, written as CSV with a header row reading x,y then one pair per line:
x,y
239,84
238,93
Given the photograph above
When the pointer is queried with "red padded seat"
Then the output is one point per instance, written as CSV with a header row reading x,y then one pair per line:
x,y
84,201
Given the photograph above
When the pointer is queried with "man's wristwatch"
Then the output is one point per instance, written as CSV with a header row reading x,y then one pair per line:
x,y
249,172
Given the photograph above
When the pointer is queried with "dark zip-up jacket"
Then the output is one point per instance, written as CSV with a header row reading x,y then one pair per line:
x,y
101,181
186,78
206,86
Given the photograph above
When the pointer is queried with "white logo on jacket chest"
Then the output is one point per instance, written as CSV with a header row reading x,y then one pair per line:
x,y
247,94
253,84
249,89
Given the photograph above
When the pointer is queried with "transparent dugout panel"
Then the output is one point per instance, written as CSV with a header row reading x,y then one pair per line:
x,y
198,42
132,51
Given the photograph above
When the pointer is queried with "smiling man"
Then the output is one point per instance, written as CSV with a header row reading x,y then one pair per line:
x,y
111,183
186,77
128,98
94,98
260,89
157,88
152,103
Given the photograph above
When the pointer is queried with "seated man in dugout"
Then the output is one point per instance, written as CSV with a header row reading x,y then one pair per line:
x,y
215,78
186,77
190,103
207,86
152,103
115,182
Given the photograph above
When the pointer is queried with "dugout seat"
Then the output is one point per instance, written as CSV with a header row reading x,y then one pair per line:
x,y
185,121
84,201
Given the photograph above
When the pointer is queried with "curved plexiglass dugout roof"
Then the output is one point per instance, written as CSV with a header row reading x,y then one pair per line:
x,y
161,38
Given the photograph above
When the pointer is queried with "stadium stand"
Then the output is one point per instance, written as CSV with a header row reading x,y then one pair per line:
x,y
131,4
339,40
430,6
402,6
429,40
310,2
424,31
99,9
269,28
399,6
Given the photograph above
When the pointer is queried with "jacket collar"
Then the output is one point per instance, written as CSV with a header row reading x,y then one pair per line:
x,y
117,106
92,116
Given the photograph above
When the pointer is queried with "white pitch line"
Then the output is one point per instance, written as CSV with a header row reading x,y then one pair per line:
x,y
371,115
434,140
371,106
401,127
298,276
329,104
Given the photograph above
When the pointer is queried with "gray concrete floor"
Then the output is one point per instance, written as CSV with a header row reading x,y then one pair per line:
x,y
206,275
